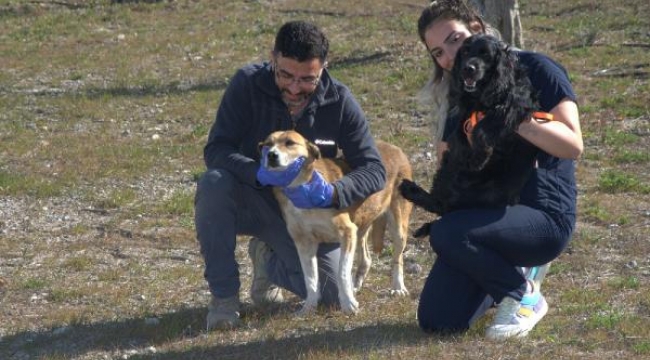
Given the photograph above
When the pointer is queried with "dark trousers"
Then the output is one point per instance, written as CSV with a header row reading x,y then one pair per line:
x,y
479,253
224,208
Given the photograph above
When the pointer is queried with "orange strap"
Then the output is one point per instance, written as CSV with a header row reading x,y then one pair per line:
x,y
477,116
470,123
540,115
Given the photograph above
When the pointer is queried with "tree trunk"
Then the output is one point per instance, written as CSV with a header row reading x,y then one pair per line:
x,y
504,16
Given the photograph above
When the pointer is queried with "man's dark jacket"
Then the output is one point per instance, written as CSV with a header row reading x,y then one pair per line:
x,y
252,108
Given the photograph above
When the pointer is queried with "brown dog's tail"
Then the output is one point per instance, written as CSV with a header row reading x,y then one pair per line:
x,y
398,210
399,207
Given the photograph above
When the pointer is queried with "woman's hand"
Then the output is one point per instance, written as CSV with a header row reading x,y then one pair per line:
x,y
561,137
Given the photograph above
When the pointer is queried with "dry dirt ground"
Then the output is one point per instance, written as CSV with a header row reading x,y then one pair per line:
x,y
85,279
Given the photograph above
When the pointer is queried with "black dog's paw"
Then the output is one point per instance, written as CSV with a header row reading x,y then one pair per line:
x,y
420,197
479,159
410,190
423,231
476,164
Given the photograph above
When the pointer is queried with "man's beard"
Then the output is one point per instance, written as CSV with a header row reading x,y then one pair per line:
x,y
299,100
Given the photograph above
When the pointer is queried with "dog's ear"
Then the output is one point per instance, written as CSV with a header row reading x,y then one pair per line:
x,y
502,73
508,54
505,47
313,150
505,64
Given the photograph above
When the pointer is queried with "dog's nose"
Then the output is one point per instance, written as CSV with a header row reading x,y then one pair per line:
x,y
272,158
469,70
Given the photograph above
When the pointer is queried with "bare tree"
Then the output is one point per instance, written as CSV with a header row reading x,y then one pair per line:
x,y
504,16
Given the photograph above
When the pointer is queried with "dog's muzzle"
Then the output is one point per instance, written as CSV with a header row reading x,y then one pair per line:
x,y
272,160
470,74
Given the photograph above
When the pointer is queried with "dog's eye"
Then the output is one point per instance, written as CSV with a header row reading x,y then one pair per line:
x,y
290,143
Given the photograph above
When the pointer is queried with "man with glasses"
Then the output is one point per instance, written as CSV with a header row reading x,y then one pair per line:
x,y
295,91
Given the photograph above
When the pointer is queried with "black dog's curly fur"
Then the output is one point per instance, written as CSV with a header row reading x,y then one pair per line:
x,y
489,167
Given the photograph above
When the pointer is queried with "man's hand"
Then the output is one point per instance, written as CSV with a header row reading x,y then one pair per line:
x,y
283,178
317,193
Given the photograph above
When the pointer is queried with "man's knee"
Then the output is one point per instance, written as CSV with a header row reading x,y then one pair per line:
x,y
215,180
213,204
214,189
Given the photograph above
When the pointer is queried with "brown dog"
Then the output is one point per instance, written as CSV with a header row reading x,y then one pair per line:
x,y
309,227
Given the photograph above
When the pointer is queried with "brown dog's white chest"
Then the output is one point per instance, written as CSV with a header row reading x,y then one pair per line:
x,y
314,225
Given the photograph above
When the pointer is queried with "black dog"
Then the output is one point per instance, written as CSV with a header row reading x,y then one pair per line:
x,y
487,163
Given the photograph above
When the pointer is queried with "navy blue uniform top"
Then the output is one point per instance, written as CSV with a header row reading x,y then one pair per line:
x,y
552,186
252,108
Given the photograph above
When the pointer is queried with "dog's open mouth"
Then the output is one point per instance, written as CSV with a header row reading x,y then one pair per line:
x,y
470,85
272,162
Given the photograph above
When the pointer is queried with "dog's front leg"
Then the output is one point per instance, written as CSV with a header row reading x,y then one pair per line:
x,y
420,197
307,253
484,141
349,304
479,157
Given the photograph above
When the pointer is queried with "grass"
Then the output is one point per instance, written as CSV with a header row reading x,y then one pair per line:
x,y
612,181
105,110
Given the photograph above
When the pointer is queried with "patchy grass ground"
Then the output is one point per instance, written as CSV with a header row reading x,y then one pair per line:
x,y
104,112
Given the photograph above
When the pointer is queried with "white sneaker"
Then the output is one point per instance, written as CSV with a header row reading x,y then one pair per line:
x,y
514,319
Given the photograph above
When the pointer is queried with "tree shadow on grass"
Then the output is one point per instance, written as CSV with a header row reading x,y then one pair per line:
x,y
79,340
173,88
351,61
136,89
187,86
354,342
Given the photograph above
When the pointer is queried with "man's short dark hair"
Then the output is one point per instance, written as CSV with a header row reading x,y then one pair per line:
x,y
301,41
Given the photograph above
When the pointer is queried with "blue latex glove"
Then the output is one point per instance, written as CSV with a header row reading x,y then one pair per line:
x,y
317,193
266,176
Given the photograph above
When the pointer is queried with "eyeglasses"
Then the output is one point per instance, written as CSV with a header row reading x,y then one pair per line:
x,y
286,79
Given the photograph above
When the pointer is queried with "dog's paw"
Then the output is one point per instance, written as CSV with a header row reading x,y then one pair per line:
x,y
424,230
479,159
350,307
399,292
476,164
410,190
305,310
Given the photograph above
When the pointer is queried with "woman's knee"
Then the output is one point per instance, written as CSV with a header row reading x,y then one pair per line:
x,y
443,235
434,321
